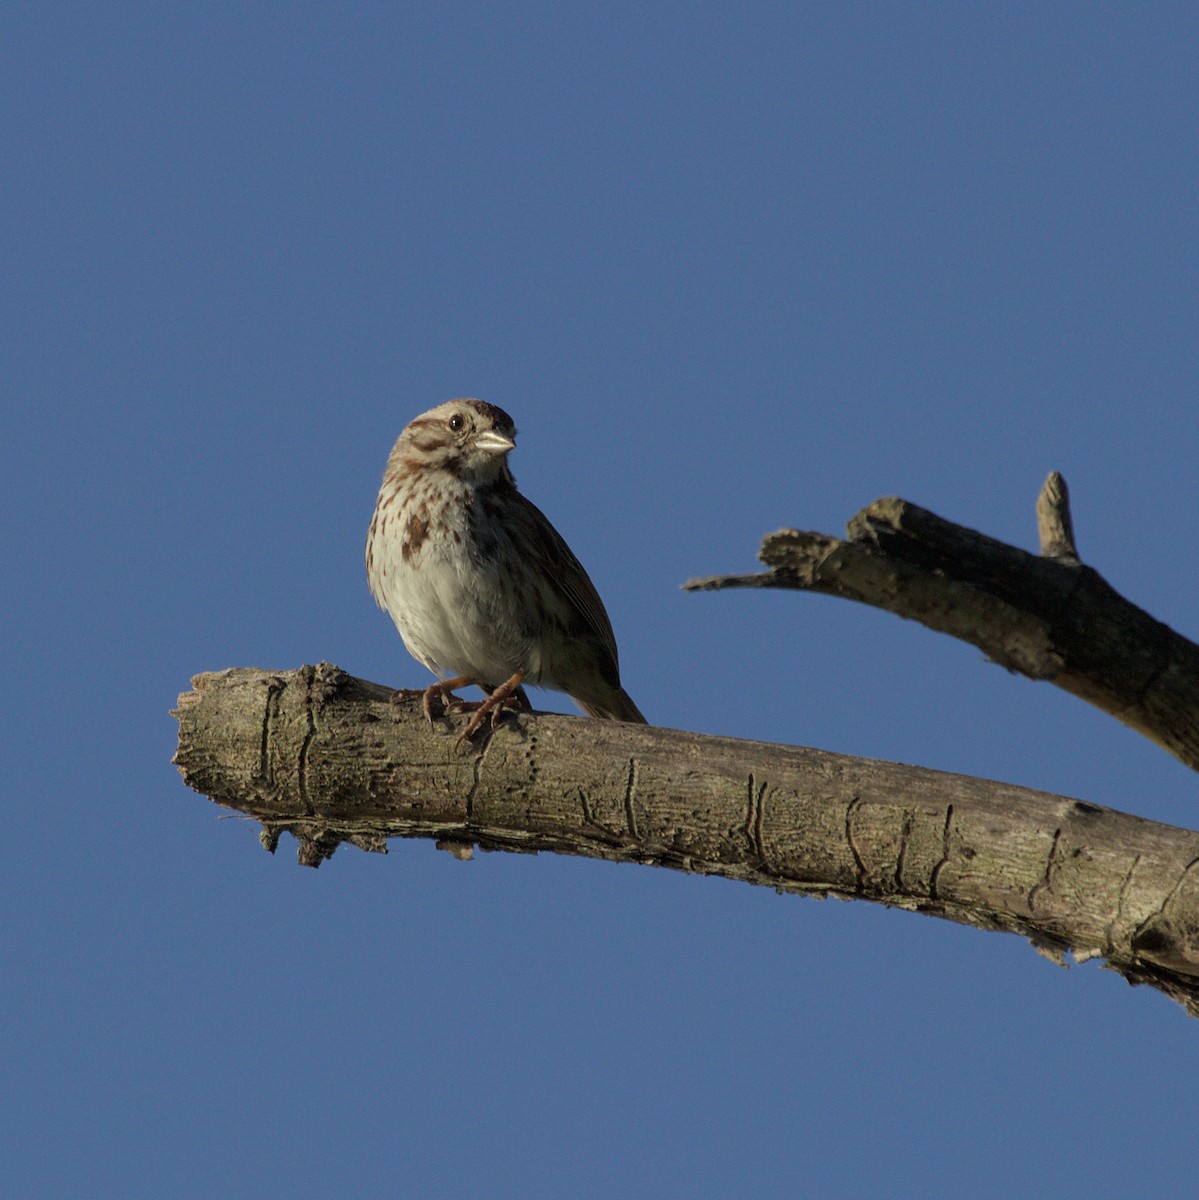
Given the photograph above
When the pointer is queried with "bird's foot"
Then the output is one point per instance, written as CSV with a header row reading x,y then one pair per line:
x,y
508,696
437,699
441,695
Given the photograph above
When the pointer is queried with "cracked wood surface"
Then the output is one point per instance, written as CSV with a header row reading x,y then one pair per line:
x,y
330,759
1047,616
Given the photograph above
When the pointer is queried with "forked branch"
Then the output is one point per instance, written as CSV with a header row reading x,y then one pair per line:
x,y
1047,616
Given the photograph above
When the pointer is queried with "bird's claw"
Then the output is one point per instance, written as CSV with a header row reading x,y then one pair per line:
x,y
436,701
509,696
439,700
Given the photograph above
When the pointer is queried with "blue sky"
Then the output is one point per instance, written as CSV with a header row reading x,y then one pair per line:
x,y
731,268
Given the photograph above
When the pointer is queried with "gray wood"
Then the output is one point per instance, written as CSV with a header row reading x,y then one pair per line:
x,y
1048,617
330,759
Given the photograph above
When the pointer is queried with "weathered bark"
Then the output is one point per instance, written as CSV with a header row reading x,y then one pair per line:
x,y
1048,617
329,758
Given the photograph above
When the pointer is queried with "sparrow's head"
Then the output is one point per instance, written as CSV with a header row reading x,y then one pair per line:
x,y
469,437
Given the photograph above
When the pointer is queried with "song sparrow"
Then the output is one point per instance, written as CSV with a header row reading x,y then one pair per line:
x,y
480,585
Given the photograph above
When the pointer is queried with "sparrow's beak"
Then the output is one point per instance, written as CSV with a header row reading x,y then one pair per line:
x,y
491,442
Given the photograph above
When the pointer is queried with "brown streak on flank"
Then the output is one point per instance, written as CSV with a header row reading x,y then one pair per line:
x,y
415,533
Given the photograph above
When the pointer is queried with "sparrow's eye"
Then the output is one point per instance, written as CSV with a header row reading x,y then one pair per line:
x,y
456,422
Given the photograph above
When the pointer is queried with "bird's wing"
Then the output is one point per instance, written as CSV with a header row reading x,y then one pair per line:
x,y
566,573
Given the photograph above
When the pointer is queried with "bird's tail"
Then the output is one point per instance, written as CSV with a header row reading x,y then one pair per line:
x,y
615,706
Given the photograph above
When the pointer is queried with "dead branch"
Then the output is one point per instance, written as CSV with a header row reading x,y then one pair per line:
x,y
1048,617
329,758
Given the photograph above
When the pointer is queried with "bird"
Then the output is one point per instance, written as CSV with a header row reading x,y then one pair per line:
x,y
483,589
